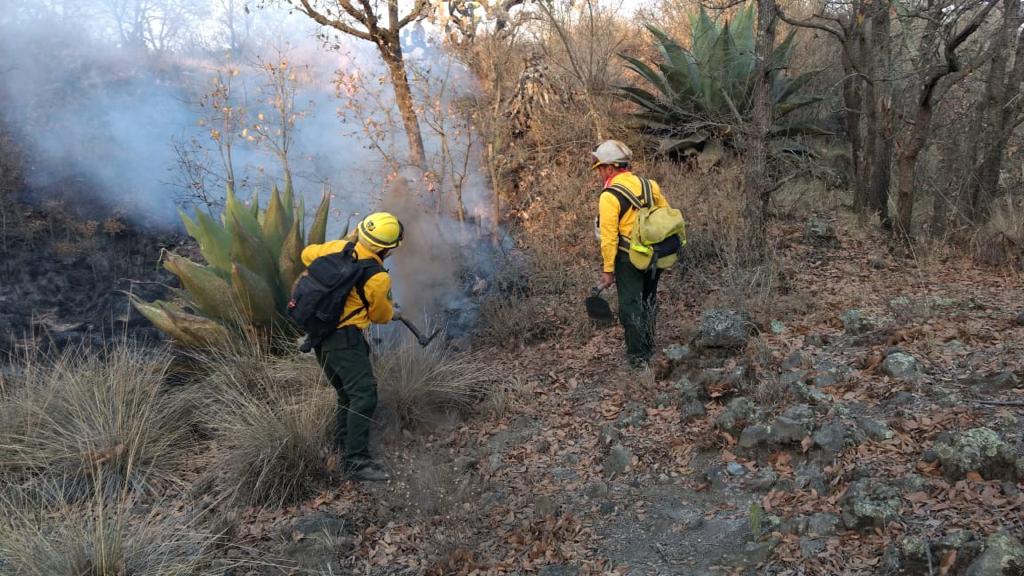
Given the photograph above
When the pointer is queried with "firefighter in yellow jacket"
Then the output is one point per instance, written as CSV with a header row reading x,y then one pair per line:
x,y
616,217
345,355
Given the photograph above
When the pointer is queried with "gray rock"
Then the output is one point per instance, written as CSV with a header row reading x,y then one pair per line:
x,y
465,463
763,479
903,398
993,382
609,435
823,524
496,462
564,474
678,352
793,425
735,469
820,232
721,328
978,450
855,322
956,347
692,410
785,431
811,547
874,429
596,490
1003,555
545,506
633,415
816,340
811,394
832,437
736,415
794,361
756,553
776,327
790,378
559,570
825,380
716,477
321,523
690,391
870,503
900,365
754,436
618,460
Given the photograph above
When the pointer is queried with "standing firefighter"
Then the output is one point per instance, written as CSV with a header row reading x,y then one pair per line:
x,y
640,236
344,354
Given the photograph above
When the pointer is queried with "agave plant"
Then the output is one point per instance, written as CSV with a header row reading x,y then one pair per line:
x,y
702,95
253,256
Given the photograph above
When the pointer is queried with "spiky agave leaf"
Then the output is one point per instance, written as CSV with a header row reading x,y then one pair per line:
x,y
289,264
215,245
250,251
207,290
198,332
155,313
275,226
318,232
704,93
254,295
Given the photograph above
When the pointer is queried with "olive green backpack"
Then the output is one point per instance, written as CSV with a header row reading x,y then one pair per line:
x,y
658,234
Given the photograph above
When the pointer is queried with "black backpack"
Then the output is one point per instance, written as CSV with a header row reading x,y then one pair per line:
x,y
319,295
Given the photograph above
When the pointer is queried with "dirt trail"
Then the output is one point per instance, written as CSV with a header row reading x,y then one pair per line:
x,y
594,469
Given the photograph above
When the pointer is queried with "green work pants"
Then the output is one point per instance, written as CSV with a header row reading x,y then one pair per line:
x,y
345,358
638,291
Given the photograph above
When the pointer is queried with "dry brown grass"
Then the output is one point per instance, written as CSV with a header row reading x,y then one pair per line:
x,y
415,384
90,418
269,419
43,534
1000,241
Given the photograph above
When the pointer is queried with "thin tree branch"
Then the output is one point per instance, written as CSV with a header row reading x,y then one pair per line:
x,y
335,23
839,34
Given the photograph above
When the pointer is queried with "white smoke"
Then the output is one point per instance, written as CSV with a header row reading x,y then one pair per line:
x,y
101,122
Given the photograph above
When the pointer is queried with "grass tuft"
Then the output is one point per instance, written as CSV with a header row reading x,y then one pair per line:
x,y
88,418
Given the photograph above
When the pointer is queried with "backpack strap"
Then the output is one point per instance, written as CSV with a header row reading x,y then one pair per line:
x,y
370,268
648,194
626,199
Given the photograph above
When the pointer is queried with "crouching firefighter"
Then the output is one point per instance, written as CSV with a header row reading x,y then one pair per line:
x,y
344,289
640,236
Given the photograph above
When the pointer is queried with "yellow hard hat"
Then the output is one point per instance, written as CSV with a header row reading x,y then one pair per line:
x,y
380,231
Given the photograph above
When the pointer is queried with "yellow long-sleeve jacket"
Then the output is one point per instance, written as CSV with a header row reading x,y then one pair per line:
x,y
609,226
377,288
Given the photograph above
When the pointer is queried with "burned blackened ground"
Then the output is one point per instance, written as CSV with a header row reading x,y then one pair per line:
x,y
65,278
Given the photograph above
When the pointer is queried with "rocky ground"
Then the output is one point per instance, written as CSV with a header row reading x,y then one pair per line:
x,y
873,429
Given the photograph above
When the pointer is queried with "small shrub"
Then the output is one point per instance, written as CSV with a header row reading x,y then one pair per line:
x,y
1000,241
41,535
415,383
269,418
510,322
87,416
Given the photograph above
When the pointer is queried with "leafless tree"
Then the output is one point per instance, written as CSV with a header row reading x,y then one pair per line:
x,y
370,21
755,177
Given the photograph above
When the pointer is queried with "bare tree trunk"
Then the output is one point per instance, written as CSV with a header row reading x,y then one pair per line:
x,y
945,195
997,110
755,178
908,170
853,100
392,55
880,128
